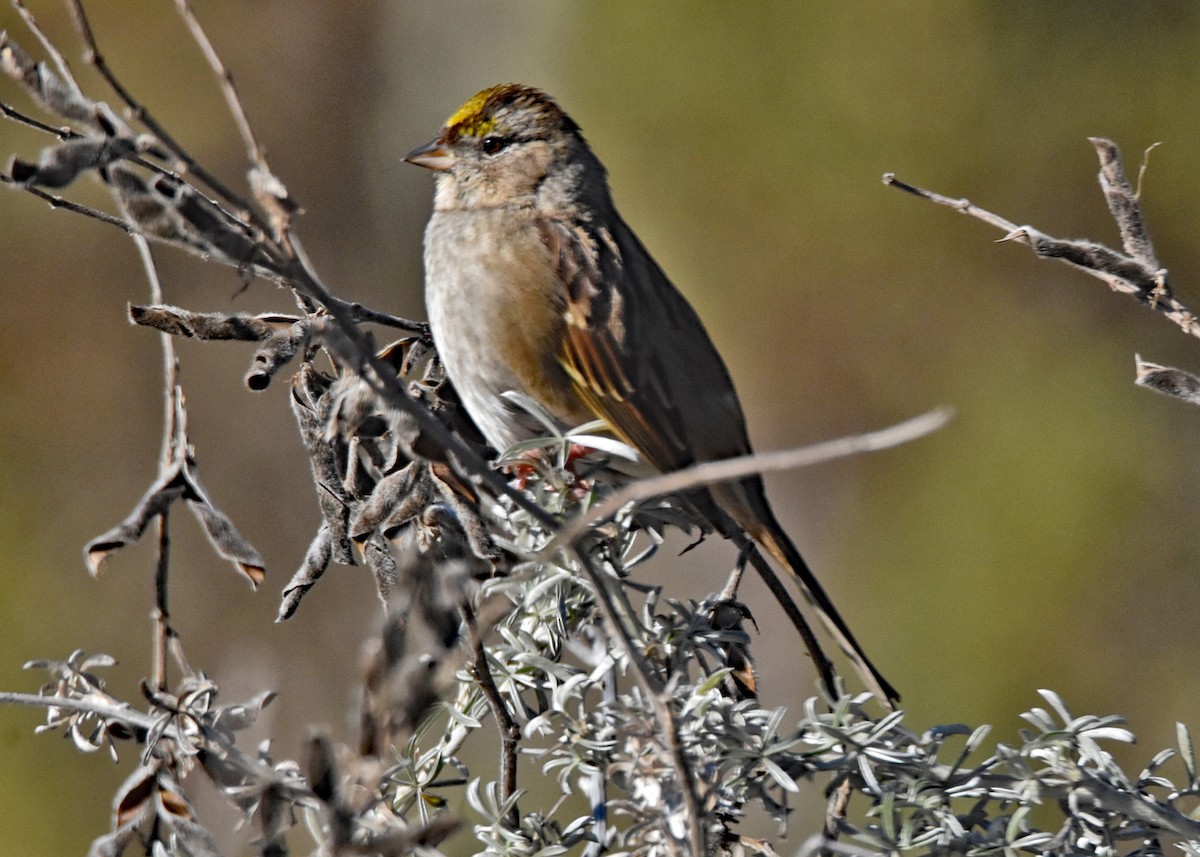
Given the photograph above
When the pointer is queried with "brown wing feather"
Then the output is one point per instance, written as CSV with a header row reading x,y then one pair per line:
x,y
657,402
675,409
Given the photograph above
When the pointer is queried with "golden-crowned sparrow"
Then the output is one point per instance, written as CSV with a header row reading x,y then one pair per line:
x,y
534,283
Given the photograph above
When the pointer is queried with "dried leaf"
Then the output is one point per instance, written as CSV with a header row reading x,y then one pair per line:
x,y
320,767
46,87
396,500
378,557
134,799
244,715
1123,203
211,325
224,537
166,490
1167,380
316,561
310,406
57,166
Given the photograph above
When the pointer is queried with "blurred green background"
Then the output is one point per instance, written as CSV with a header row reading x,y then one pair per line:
x,y
1046,538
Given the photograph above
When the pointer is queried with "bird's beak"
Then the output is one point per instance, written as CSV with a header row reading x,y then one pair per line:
x,y
433,156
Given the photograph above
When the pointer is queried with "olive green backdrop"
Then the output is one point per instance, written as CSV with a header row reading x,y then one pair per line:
x,y
1046,538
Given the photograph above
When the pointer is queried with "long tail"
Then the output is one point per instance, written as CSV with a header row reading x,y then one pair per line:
x,y
746,503
777,543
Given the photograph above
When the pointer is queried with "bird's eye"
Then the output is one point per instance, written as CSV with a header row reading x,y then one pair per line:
x,y
494,145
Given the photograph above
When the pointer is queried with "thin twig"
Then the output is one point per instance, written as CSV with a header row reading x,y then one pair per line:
x,y
965,206
119,713
67,205
364,313
161,616
729,469
254,149
141,114
60,62
1134,272
174,444
63,132
1144,166
510,732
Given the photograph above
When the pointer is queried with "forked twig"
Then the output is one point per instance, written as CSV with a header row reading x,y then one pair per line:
x,y
1134,270
172,440
139,111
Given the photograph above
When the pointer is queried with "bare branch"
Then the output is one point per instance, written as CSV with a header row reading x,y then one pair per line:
x,y
510,732
67,205
254,149
1135,272
729,469
142,115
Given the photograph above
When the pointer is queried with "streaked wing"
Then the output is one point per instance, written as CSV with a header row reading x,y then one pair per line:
x,y
622,317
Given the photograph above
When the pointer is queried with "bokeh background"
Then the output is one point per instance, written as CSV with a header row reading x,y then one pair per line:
x,y
1044,539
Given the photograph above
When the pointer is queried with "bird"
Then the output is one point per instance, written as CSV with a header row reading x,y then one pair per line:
x,y
535,284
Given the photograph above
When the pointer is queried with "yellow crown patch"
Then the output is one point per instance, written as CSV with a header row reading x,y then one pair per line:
x,y
471,118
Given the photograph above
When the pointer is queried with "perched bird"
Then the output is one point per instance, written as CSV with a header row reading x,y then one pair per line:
x,y
534,283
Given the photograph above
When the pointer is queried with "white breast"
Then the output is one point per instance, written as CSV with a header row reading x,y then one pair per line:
x,y
483,274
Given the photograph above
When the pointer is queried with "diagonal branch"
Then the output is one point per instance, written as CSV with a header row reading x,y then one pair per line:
x,y
1134,270
729,469
96,59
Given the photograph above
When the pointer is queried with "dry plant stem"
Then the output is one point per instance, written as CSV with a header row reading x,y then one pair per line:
x,y
96,59
161,615
66,205
1145,165
17,116
510,732
1135,272
658,695
173,445
730,469
254,149
729,592
60,62
366,314
131,717
964,206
